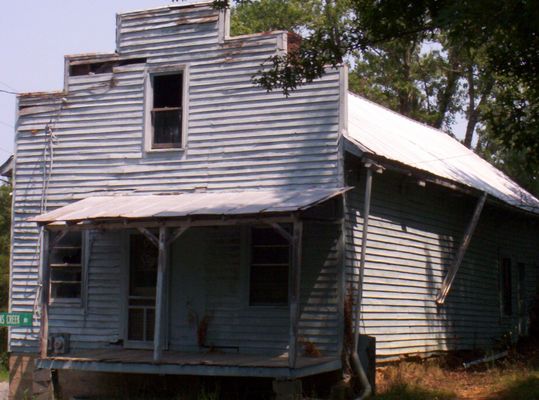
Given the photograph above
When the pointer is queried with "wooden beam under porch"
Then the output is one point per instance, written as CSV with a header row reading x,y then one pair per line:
x,y
183,363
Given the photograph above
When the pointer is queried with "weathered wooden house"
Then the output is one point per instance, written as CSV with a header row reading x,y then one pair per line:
x,y
171,218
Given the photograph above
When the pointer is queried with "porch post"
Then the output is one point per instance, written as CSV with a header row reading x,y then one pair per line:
x,y
294,291
45,287
161,298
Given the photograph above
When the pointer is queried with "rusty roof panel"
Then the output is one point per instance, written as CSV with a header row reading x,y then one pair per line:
x,y
188,204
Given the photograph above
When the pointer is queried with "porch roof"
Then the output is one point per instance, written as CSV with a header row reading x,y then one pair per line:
x,y
144,207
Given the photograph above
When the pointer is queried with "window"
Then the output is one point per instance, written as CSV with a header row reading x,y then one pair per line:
x,y
66,267
270,255
165,109
142,289
506,287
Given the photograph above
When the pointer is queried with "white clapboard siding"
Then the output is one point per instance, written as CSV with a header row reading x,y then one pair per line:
x,y
209,280
239,136
413,233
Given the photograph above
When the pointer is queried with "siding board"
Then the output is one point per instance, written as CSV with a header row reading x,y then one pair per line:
x,y
238,137
413,234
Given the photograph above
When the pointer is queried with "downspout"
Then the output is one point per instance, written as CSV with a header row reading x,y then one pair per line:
x,y
354,359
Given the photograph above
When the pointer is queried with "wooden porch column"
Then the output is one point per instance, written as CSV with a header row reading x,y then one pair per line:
x,y
44,301
294,291
161,298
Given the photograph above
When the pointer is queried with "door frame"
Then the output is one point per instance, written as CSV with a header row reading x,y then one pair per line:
x,y
125,276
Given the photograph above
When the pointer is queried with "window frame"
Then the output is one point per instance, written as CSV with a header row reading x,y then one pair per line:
x,y
148,134
249,264
132,343
80,300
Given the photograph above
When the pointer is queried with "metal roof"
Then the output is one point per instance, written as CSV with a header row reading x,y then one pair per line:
x,y
99,208
6,169
379,131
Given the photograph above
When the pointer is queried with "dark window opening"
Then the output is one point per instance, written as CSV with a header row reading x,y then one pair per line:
x,y
142,289
167,111
65,264
506,287
270,257
101,67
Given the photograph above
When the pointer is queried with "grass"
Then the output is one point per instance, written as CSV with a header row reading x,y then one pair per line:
x,y
510,379
520,387
404,391
4,374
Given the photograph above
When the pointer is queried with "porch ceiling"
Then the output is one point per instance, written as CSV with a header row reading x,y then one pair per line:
x,y
144,207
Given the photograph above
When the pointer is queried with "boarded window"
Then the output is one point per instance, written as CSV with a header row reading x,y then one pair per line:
x,y
270,255
65,264
506,287
166,113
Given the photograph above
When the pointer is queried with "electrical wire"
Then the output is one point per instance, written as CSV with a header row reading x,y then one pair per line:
x,y
8,92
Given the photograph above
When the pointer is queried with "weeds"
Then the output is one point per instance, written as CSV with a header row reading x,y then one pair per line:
x,y
403,391
4,371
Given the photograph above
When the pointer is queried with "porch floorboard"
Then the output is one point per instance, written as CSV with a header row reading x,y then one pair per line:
x,y
190,363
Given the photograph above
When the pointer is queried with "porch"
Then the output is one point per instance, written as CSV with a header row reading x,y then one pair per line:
x,y
190,363
193,305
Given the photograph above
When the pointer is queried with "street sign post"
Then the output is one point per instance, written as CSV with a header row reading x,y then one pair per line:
x,y
16,319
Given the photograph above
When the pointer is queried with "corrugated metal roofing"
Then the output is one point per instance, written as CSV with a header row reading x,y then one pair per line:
x,y
188,204
382,132
6,169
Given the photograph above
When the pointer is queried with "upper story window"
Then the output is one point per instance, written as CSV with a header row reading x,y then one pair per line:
x,y
166,92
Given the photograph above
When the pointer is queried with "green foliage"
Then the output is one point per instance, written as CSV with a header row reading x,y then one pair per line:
x,y
4,363
484,63
510,136
271,15
522,388
403,391
5,224
403,77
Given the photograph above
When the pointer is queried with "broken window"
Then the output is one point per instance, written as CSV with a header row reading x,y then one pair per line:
x,y
66,267
166,112
506,287
270,257
80,68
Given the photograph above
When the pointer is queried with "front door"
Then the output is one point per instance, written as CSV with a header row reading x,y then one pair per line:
x,y
141,297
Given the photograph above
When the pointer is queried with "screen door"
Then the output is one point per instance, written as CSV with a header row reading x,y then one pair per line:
x,y
142,282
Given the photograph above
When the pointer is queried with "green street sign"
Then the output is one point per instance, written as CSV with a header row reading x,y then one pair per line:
x,y
16,319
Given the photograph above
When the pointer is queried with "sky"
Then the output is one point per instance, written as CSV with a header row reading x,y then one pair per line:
x,y
35,36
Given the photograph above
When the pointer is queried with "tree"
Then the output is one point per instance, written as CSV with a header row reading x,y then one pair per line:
x,y
5,226
484,41
5,231
408,77
270,15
